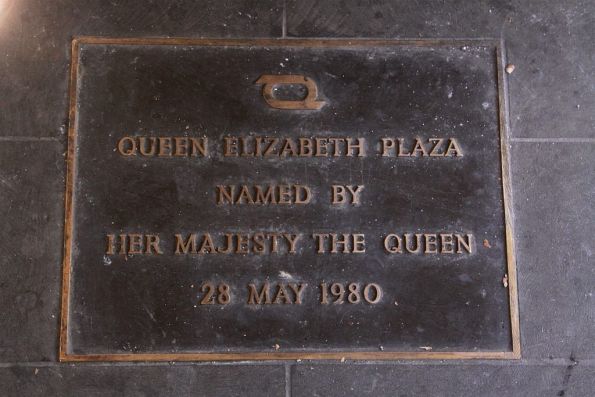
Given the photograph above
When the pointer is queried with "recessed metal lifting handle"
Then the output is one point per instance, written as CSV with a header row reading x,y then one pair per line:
x,y
308,103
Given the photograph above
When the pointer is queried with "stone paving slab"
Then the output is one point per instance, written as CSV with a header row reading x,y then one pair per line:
x,y
450,379
31,209
553,194
143,380
549,42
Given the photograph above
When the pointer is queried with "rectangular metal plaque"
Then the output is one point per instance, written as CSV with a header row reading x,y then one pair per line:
x,y
286,199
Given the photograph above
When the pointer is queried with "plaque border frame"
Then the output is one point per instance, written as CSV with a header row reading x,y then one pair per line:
x,y
496,44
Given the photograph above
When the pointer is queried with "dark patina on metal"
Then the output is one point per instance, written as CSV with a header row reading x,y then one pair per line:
x,y
286,199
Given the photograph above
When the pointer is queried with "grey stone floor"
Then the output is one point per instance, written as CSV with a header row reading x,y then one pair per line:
x,y
552,126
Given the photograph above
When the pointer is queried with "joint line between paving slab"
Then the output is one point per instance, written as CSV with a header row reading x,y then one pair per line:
x,y
28,138
554,140
284,20
287,380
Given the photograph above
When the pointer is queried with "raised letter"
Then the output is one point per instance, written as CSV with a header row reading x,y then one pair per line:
x,y
122,146
189,246
255,298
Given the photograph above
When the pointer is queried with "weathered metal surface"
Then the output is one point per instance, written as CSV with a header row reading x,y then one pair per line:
x,y
410,134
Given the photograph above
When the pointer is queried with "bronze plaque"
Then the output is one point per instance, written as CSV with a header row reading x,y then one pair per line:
x,y
287,199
